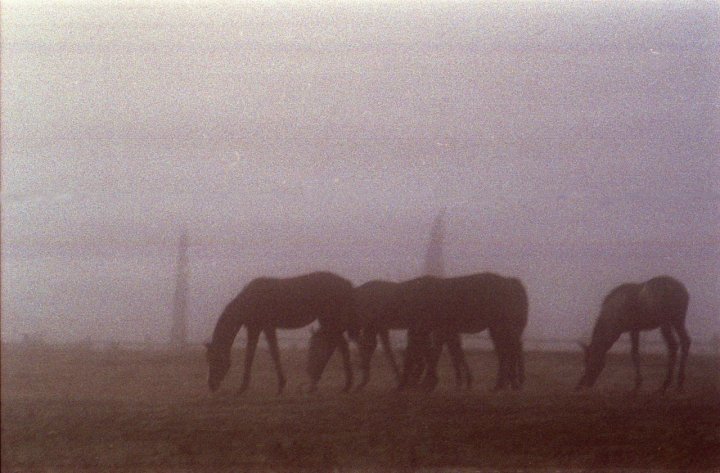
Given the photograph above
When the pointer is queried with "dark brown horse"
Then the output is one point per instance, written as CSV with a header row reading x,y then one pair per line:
x,y
660,302
436,311
267,304
443,308
378,306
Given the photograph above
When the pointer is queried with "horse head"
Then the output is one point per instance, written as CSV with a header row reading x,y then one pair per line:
x,y
594,359
218,365
319,351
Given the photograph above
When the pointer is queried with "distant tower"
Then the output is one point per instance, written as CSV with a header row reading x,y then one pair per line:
x,y
434,264
178,333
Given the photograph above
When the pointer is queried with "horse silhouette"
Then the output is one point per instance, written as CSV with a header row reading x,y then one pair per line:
x,y
633,307
440,309
436,311
267,304
378,306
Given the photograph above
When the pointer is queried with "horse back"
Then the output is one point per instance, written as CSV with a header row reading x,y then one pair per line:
x,y
664,296
378,303
296,302
645,306
487,299
423,302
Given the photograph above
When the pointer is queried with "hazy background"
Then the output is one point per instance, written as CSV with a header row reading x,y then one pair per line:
x,y
574,145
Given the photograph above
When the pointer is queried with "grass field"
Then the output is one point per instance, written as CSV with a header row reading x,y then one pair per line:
x,y
65,410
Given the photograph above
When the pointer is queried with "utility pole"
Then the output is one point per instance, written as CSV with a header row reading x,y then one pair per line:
x,y
178,332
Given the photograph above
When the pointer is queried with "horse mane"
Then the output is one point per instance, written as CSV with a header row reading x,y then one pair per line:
x,y
619,289
229,323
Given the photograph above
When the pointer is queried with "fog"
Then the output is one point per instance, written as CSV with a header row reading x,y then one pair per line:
x,y
572,145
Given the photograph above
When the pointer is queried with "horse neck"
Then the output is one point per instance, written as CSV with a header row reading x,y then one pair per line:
x,y
605,333
228,326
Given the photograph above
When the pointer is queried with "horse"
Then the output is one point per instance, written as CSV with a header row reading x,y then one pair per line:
x,y
660,302
378,306
443,308
268,304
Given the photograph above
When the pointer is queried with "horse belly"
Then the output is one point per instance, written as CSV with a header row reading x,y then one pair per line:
x,y
473,327
292,317
647,322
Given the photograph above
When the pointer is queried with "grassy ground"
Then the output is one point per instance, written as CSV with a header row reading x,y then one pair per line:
x,y
125,410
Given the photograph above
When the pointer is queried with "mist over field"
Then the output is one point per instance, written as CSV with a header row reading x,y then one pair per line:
x,y
575,146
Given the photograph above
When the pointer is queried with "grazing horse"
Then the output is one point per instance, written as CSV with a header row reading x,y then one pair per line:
x,y
443,308
660,302
378,307
267,304
378,304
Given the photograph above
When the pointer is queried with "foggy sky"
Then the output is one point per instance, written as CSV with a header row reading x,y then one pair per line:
x,y
575,146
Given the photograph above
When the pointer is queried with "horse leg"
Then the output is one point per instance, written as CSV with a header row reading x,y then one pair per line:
x,y
635,353
459,362
412,360
520,364
684,350
515,363
253,334
419,368
271,337
466,368
432,351
672,346
385,340
345,352
503,368
453,350
501,351
368,342
409,363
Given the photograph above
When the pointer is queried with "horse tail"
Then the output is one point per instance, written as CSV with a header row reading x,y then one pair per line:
x,y
519,310
345,303
353,326
645,296
520,363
